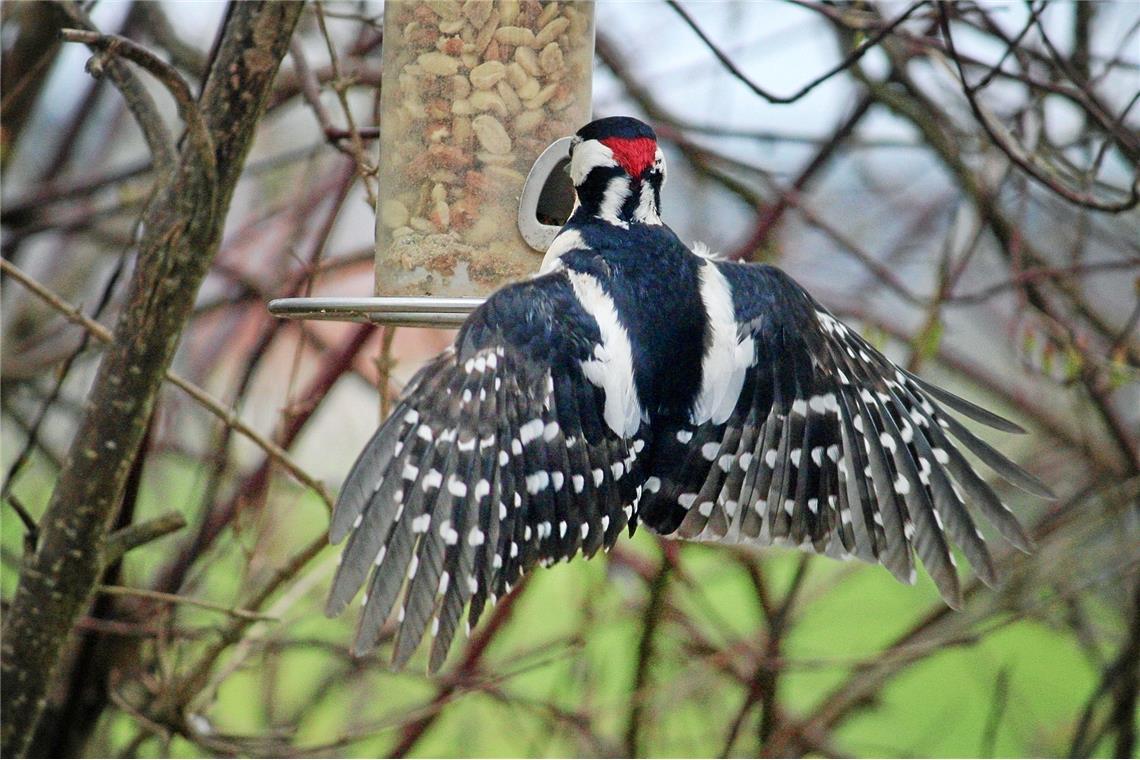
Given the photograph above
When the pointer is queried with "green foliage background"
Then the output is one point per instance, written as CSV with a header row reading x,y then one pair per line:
x,y
1006,685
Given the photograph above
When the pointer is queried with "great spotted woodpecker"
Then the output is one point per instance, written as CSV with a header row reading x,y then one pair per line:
x,y
635,380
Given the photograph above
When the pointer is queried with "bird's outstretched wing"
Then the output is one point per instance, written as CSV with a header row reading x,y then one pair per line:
x,y
504,452
831,448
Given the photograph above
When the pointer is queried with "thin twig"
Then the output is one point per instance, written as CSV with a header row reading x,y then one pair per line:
x,y
846,63
1042,175
161,596
217,408
650,622
123,540
340,85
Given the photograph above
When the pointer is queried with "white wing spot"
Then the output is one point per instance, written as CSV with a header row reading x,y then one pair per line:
x,y
537,481
434,479
906,432
450,535
530,431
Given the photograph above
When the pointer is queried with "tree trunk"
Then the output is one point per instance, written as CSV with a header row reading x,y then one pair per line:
x,y
182,227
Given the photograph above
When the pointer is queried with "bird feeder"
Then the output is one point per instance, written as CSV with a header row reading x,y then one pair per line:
x,y
477,101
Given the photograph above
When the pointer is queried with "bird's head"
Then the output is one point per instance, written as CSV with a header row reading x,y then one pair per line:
x,y
618,171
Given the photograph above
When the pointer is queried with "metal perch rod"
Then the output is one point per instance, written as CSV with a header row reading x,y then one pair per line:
x,y
409,311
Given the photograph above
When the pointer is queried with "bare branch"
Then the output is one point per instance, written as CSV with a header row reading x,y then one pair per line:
x,y
226,414
853,57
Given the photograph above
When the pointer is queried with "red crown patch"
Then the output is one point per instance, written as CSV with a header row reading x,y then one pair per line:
x,y
635,154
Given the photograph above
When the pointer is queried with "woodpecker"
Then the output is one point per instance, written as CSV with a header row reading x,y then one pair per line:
x,y
633,380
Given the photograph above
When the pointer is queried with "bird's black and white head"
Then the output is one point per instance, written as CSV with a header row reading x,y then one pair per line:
x,y
618,171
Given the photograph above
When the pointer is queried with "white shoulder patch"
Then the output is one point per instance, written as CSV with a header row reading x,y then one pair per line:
x,y
611,369
726,359
567,240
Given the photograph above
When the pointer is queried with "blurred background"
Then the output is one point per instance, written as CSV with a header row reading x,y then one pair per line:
x,y
985,236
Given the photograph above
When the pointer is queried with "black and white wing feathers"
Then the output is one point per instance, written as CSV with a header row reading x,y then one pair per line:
x,y
497,458
831,448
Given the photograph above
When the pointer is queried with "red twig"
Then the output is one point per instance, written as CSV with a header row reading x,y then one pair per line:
x,y
464,672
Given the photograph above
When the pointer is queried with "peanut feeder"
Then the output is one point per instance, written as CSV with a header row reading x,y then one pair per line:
x,y
473,94
477,99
